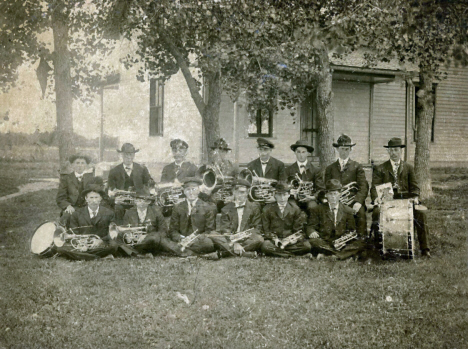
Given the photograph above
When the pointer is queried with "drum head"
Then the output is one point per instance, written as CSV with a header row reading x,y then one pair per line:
x,y
43,238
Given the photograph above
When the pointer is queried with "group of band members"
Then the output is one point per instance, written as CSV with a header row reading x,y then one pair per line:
x,y
283,225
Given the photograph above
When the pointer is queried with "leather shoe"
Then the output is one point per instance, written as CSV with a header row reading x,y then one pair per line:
x,y
210,256
426,254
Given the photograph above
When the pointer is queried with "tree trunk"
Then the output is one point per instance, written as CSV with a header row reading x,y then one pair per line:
x,y
63,93
211,114
325,113
423,127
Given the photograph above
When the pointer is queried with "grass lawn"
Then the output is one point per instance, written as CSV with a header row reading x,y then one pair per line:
x,y
234,303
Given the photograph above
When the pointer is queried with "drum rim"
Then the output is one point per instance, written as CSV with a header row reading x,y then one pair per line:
x,y
32,235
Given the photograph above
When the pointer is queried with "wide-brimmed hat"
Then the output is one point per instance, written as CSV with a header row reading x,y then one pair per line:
x,y
262,142
344,141
395,142
97,188
176,143
128,148
282,187
241,182
333,185
302,144
220,144
195,180
72,158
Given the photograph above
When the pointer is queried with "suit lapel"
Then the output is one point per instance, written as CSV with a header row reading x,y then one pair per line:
x,y
339,215
98,216
268,167
86,216
245,216
330,215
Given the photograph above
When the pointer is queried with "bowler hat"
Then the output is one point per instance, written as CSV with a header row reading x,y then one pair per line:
x,y
221,144
395,142
262,142
302,144
282,187
333,185
344,141
241,182
175,143
79,156
196,180
128,148
97,188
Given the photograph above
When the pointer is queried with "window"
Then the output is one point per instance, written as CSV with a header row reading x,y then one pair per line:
x,y
416,112
261,123
156,107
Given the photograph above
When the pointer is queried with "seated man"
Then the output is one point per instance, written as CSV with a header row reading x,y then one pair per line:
x,y
71,185
128,176
280,220
193,215
239,216
179,169
405,186
330,221
151,218
306,172
348,171
92,219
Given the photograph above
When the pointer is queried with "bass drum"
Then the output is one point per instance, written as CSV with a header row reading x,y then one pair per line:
x,y
42,241
397,229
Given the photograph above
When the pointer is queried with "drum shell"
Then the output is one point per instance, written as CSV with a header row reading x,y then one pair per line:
x,y
42,239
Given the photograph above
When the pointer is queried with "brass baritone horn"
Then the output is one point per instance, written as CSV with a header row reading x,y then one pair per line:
x,y
341,242
348,193
169,194
262,188
79,242
133,235
302,188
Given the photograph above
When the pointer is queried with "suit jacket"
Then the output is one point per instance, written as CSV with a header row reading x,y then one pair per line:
x,y
251,218
154,219
187,169
69,191
407,184
311,174
99,225
273,170
282,225
322,221
353,172
140,174
202,218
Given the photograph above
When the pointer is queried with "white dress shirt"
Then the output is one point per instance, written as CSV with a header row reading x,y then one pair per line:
x,y
240,214
128,169
79,176
264,165
343,163
191,205
334,211
304,164
142,214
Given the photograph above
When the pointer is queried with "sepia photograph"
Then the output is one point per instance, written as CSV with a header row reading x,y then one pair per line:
x,y
233,174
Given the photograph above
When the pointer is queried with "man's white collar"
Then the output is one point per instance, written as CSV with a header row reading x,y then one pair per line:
x,y
301,163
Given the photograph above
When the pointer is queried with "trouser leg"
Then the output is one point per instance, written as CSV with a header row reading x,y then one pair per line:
x,y
221,243
319,245
352,248
361,221
299,248
375,228
269,249
103,250
202,245
253,243
420,223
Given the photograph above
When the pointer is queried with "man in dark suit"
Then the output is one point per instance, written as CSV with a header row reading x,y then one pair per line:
x,y
239,216
303,170
265,165
128,176
92,219
405,186
330,221
193,214
71,185
348,171
150,217
178,170
280,220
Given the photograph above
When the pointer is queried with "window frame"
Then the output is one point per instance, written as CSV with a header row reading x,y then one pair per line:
x,y
156,108
258,120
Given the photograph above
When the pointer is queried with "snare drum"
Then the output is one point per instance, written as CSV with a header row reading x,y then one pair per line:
x,y
42,241
397,229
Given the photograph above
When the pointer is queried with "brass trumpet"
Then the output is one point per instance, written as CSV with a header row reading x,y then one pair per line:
x,y
341,242
300,188
79,242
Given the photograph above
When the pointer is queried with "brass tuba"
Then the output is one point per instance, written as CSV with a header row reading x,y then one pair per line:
x,y
301,188
82,243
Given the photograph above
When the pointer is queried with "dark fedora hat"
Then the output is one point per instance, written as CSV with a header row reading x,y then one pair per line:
x,y
74,157
282,187
395,142
333,185
195,180
262,142
179,143
220,144
128,148
302,144
97,188
241,183
144,194
344,141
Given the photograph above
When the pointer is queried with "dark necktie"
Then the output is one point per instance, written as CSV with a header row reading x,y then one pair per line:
x,y
79,177
302,169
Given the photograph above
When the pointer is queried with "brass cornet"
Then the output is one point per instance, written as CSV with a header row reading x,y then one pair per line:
x,y
132,235
79,242
124,197
341,242
169,194
301,188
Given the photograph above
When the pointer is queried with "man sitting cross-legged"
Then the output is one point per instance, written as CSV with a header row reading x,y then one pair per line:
x,y
194,215
153,225
330,221
239,216
280,220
